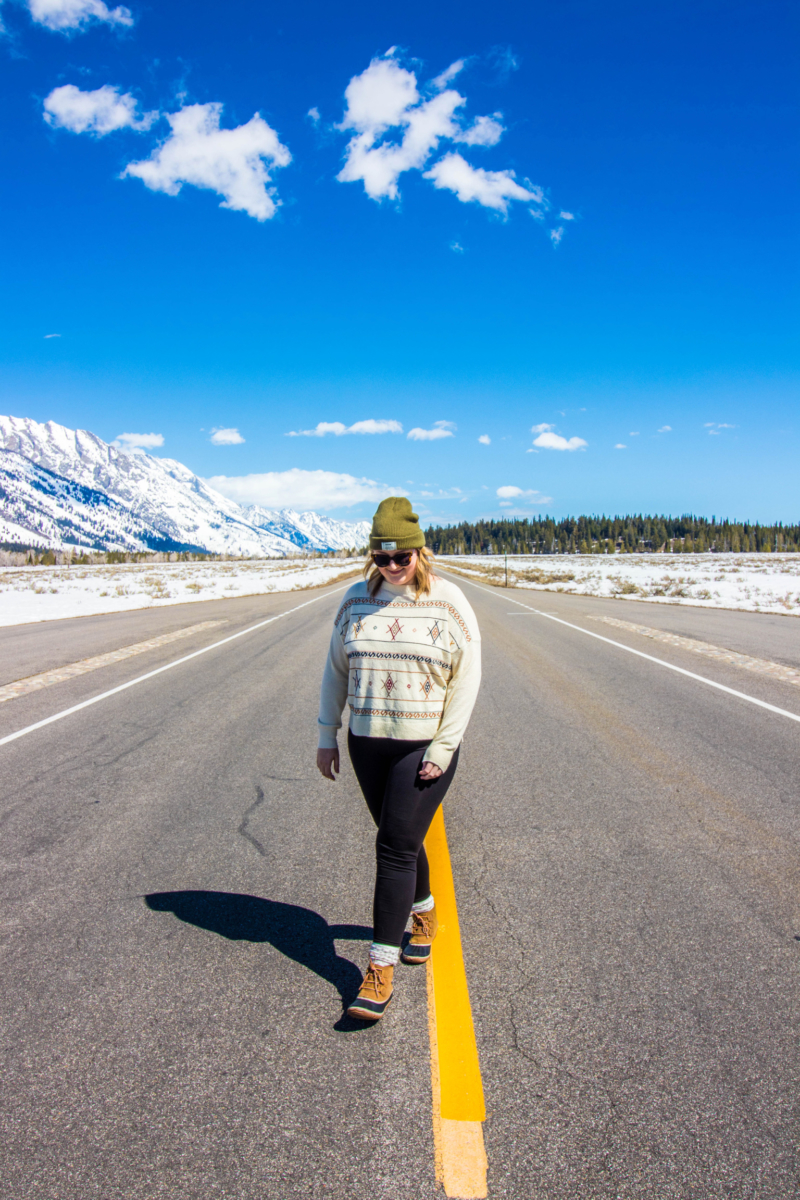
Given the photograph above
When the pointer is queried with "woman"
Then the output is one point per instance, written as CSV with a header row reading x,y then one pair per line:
x,y
405,655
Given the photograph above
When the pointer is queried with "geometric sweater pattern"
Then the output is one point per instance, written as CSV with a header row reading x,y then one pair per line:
x,y
408,669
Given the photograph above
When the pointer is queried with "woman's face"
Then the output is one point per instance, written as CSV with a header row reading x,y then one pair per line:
x,y
398,575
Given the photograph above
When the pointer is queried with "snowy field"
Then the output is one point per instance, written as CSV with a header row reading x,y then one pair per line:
x,y
758,582
755,582
48,593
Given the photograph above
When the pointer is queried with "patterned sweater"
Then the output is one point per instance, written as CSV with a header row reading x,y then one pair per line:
x,y
408,669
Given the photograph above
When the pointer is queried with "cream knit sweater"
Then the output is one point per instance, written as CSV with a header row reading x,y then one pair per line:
x,y
408,669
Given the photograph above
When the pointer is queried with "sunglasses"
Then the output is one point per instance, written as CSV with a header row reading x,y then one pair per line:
x,y
400,560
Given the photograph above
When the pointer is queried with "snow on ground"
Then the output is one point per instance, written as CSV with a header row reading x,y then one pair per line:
x,y
48,593
758,582
755,582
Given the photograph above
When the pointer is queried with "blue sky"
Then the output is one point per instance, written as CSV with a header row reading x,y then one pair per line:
x,y
605,265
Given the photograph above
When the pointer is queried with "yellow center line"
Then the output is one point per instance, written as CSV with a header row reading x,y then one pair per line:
x,y
457,1089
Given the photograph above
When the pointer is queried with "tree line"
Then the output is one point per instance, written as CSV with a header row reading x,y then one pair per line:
x,y
612,535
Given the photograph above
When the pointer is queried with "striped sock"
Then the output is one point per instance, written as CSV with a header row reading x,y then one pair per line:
x,y
383,955
423,906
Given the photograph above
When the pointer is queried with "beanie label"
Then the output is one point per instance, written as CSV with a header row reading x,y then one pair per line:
x,y
388,545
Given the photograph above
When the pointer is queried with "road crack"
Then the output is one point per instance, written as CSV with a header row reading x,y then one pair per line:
x,y
245,821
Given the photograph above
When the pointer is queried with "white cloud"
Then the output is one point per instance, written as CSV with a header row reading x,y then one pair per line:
x,y
337,428
395,129
566,216
226,437
236,163
441,429
138,441
634,433
492,189
556,235
384,97
554,441
303,490
510,492
665,429
441,81
372,426
51,335
485,440
65,15
484,131
457,247
323,428
98,112
620,446
543,428
313,113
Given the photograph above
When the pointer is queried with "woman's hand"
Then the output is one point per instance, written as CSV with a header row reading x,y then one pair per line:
x,y
428,770
328,762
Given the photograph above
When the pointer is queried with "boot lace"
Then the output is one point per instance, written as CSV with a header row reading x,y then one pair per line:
x,y
373,980
420,925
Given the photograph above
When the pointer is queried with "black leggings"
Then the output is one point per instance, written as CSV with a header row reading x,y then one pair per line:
x,y
402,806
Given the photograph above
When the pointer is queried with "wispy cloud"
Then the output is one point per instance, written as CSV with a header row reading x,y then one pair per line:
x,y
235,163
457,247
554,441
715,428
452,493
504,61
441,81
303,490
338,428
98,112
665,429
69,16
313,115
226,437
441,429
51,335
395,127
138,441
620,446
542,428
485,440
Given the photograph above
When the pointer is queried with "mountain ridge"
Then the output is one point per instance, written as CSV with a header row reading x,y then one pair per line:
x,y
61,487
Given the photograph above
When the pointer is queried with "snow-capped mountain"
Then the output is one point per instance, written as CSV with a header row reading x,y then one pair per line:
x,y
309,528
61,487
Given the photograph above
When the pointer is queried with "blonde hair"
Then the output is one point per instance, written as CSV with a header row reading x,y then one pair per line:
x,y
423,575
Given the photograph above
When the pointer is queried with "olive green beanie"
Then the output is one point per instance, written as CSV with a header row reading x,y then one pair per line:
x,y
395,526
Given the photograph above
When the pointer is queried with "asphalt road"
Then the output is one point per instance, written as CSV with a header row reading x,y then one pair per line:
x,y
185,902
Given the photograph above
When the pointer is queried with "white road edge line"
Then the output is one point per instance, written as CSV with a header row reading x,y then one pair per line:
x,y
782,712
11,737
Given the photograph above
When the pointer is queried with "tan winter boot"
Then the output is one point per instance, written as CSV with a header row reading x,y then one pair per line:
x,y
374,994
424,927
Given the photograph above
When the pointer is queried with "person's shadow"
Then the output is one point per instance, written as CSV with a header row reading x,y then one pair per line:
x,y
297,932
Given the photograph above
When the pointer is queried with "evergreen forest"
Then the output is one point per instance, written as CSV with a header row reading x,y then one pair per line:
x,y
612,535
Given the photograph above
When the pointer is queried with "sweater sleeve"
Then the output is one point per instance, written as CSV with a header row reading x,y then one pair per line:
x,y
333,694
462,692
